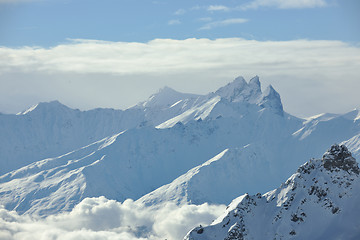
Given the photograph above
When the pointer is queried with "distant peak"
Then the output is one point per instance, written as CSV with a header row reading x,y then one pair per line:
x,y
44,106
53,106
240,91
51,103
255,82
239,79
270,90
271,99
166,89
166,97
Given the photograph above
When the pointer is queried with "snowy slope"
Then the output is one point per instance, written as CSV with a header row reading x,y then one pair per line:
x,y
52,129
222,178
354,145
319,201
253,167
126,167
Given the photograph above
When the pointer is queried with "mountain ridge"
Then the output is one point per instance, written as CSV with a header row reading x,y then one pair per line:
x,y
50,129
319,201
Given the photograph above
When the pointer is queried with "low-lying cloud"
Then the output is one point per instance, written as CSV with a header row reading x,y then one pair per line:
x,y
100,218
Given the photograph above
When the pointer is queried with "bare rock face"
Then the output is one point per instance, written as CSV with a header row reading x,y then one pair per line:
x,y
339,157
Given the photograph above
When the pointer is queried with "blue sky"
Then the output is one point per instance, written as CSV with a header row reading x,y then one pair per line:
x,y
50,22
115,53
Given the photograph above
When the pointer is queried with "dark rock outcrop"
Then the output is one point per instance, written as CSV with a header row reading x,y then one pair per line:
x,y
339,157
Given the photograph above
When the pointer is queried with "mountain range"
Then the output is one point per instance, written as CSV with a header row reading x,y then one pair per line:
x,y
172,148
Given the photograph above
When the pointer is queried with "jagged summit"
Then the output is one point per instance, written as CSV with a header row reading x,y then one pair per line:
x,y
240,91
255,83
271,99
339,158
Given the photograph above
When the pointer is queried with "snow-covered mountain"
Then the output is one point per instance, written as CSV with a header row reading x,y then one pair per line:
x,y
320,201
125,165
131,153
52,129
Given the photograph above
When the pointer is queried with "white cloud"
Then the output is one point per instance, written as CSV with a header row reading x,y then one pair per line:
x,y
174,22
222,23
100,218
283,4
180,11
217,8
205,19
311,76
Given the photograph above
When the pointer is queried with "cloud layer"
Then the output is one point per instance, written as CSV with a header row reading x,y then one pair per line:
x,y
310,75
167,55
100,218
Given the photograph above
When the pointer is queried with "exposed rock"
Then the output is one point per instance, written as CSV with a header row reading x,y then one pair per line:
x,y
339,157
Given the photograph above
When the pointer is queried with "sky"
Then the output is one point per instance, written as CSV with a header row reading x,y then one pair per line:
x,y
115,53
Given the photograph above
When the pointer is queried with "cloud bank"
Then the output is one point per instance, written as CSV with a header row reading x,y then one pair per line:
x,y
311,76
100,218
167,55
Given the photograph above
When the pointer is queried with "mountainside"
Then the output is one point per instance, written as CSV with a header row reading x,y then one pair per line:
x,y
52,129
250,168
320,201
123,166
127,154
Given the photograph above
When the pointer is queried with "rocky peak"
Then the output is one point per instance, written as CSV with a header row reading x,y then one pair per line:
x,y
293,209
339,157
271,99
241,91
233,90
255,83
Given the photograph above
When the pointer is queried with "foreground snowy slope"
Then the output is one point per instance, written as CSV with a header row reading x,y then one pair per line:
x,y
320,201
